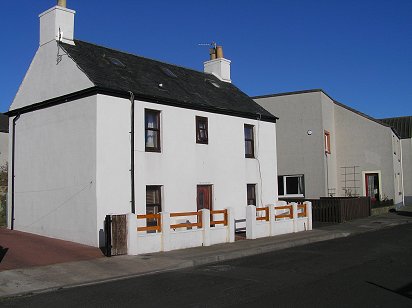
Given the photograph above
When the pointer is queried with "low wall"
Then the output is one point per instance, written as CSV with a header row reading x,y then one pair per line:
x,y
139,242
269,225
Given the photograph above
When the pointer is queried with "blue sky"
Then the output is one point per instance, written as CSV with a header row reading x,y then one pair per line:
x,y
359,52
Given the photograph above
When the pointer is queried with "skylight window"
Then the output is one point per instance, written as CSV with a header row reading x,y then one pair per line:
x,y
168,72
215,84
116,62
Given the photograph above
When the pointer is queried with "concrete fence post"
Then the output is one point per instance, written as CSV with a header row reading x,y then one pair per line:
x,y
250,222
132,244
206,226
309,214
230,225
295,216
272,219
165,237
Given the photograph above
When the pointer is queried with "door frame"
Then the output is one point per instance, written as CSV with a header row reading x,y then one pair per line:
x,y
364,173
210,189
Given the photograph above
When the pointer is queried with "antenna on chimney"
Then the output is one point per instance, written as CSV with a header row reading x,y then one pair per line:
x,y
61,3
215,50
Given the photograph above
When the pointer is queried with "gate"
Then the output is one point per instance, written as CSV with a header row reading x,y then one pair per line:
x,y
115,235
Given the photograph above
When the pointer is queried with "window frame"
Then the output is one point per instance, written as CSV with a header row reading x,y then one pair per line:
x,y
253,197
327,142
252,140
202,120
285,194
149,129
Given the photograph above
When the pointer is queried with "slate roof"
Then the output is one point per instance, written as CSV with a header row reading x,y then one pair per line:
x,y
403,125
124,72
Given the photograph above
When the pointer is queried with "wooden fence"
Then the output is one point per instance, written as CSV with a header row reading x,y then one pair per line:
x,y
338,210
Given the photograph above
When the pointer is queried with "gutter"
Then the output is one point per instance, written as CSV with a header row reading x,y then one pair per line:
x,y
13,151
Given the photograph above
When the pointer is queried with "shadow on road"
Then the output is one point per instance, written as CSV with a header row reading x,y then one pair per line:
x,y
404,213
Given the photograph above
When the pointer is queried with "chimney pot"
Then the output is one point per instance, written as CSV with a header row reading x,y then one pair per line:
x,y
219,52
61,3
212,53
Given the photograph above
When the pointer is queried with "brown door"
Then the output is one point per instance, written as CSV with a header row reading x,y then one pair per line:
x,y
372,186
204,197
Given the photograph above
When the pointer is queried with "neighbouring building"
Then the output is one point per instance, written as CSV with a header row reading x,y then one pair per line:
x,y
96,131
327,149
4,139
403,125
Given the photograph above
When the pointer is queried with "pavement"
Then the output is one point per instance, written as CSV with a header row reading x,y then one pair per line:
x,y
95,269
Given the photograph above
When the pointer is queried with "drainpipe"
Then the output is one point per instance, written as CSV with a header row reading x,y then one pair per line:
x,y
327,174
12,169
132,152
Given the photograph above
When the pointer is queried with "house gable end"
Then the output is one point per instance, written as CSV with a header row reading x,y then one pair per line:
x,y
52,73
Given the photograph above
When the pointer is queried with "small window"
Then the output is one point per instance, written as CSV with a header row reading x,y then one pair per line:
x,y
291,185
202,135
153,202
327,142
249,141
152,130
251,194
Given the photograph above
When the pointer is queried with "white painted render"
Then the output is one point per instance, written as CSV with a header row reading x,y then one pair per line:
x,y
55,172
219,67
57,24
46,79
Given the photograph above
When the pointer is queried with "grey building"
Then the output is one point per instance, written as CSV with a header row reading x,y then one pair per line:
x,y
403,125
326,148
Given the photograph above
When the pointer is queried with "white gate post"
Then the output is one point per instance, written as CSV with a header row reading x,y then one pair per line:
x,y
230,225
165,230
132,244
295,216
309,214
272,219
206,226
250,222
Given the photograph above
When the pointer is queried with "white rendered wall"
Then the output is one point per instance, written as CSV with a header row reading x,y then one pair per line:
x,y
45,79
55,172
112,159
183,164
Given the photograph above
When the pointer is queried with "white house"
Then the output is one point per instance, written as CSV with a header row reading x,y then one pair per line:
x,y
95,131
326,148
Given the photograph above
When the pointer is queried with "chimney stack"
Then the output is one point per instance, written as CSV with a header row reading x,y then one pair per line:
x,y
217,65
57,24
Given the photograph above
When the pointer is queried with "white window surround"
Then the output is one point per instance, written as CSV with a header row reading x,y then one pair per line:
x,y
300,189
380,182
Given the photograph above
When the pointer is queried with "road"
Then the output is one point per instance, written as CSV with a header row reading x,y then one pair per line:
x,y
369,270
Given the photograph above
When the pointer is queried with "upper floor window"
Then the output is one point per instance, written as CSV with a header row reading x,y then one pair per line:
x,y
152,130
327,142
249,141
251,194
202,135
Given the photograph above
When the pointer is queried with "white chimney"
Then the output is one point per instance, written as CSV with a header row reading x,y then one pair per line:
x,y
217,65
57,24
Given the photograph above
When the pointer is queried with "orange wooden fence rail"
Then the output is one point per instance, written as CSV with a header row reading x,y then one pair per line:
x,y
157,227
285,215
304,211
187,224
263,209
217,222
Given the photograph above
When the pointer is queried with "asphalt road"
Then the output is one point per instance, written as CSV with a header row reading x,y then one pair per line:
x,y
369,270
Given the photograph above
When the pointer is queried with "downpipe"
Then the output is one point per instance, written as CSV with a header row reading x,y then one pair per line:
x,y
13,151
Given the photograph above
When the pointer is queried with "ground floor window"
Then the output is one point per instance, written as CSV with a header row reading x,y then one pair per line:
x,y
291,185
153,202
251,194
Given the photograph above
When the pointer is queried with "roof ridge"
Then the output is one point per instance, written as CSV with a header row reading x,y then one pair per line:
x,y
147,58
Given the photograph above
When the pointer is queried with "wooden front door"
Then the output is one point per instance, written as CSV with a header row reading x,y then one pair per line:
x,y
372,186
204,197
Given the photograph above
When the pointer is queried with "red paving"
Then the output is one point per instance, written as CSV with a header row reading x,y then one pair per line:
x,y
28,250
